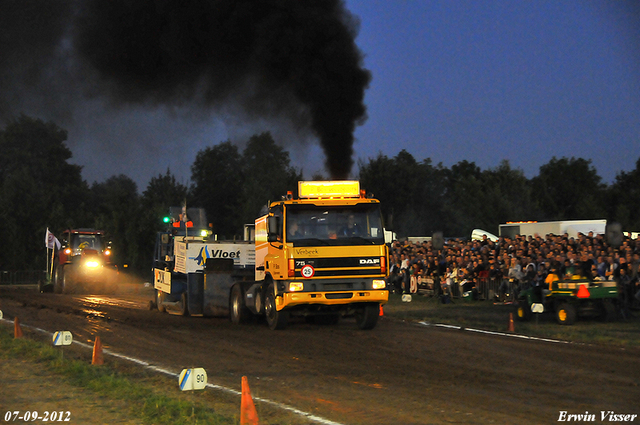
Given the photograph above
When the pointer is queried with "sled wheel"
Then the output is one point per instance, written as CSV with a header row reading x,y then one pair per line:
x,y
159,300
184,305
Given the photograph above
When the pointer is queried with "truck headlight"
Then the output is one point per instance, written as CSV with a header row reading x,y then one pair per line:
x,y
379,284
295,286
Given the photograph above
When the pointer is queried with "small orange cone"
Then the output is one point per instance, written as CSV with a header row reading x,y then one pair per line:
x,y
17,330
97,353
511,327
248,413
381,311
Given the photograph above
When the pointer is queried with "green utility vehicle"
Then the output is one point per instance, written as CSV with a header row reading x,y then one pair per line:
x,y
568,299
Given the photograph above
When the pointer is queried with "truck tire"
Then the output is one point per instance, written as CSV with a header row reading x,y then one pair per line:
x,y
367,316
275,319
565,314
238,311
160,300
523,311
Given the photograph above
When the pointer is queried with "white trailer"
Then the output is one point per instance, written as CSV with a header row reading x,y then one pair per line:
x,y
571,227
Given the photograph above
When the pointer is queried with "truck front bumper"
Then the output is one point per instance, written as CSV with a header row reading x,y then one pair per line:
x,y
293,299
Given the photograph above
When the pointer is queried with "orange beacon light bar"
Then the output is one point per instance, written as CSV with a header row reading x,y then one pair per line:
x,y
329,189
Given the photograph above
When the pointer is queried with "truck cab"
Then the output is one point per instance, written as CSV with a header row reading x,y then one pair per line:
x,y
322,253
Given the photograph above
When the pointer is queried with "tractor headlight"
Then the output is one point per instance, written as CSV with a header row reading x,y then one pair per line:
x,y
379,284
295,286
92,264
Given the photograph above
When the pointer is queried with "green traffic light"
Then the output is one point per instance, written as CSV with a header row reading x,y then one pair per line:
x,y
166,219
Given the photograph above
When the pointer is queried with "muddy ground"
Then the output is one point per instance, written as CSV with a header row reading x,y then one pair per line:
x,y
397,373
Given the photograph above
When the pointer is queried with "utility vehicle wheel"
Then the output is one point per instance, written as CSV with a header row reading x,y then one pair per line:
x,y
159,300
238,311
566,314
184,306
367,316
609,313
523,311
275,319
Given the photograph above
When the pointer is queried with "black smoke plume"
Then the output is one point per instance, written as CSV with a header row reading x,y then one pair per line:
x,y
275,58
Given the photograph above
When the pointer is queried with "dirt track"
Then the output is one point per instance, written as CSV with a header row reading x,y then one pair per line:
x,y
398,373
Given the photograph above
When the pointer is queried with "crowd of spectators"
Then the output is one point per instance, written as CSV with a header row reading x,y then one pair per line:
x,y
511,264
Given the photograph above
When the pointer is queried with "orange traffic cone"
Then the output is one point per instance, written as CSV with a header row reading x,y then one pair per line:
x,y
17,330
248,413
511,327
381,311
97,352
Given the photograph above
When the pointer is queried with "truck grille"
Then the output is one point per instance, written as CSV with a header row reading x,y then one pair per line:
x,y
346,266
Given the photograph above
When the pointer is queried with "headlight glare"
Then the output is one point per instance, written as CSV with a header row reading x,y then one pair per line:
x,y
295,286
379,284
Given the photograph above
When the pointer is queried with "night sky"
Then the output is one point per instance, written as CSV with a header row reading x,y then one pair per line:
x,y
480,81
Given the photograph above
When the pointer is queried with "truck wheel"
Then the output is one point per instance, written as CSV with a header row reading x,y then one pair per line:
x,y
367,316
160,300
523,311
238,312
566,314
184,306
609,313
276,319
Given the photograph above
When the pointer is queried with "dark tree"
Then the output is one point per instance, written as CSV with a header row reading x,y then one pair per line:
x,y
567,189
117,211
624,199
267,174
217,186
38,189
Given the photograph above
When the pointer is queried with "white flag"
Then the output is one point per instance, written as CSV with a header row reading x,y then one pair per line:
x,y
50,240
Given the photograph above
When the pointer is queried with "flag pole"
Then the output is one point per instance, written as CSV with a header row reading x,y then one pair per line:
x,y
46,244
52,258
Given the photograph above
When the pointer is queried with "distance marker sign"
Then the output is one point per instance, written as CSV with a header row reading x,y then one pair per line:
x,y
62,338
192,379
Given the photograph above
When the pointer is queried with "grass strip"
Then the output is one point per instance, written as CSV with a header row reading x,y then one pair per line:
x,y
142,400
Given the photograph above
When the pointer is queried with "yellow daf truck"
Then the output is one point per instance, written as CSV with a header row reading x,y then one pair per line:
x,y
321,254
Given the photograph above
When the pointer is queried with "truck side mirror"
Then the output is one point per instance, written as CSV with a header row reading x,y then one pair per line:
x,y
273,224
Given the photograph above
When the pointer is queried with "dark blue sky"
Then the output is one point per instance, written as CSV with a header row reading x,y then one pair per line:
x,y
482,81
485,81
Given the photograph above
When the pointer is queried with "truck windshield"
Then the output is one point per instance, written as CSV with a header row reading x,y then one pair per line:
x,y
309,225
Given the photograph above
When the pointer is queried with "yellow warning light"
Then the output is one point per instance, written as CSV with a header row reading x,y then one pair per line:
x,y
329,189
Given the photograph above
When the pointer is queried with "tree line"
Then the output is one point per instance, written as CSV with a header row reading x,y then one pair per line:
x,y
40,189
